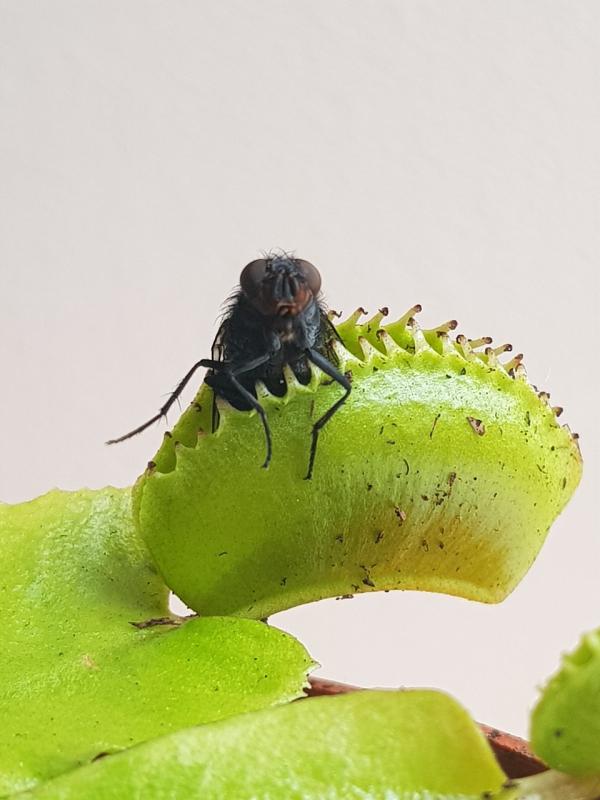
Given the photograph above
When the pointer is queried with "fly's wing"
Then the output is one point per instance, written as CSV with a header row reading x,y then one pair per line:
x,y
328,334
218,345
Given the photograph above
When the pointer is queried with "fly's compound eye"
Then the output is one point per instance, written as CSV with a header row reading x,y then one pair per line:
x,y
310,274
252,277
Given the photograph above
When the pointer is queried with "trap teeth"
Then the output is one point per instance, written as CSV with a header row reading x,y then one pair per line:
x,y
387,341
369,352
447,347
514,362
405,318
419,339
503,348
558,410
343,355
331,314
484,340
374,322
520,372
464,347
355,316
445,327
490,357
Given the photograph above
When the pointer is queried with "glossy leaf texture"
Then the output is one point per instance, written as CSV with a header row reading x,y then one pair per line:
x,y
372,745
92,660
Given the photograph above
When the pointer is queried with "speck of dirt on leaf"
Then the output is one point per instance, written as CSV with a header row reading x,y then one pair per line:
x,y
477,425
400,514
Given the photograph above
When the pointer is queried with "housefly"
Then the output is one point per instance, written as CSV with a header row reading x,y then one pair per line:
x,y
276,317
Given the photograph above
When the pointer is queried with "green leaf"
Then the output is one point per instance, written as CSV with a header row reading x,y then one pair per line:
x,y
565,724
77,679
442,472
372,745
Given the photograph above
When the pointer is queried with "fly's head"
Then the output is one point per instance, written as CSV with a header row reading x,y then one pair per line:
x,y
281,288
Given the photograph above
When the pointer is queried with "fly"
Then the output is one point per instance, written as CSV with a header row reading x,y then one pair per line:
x,y
276,317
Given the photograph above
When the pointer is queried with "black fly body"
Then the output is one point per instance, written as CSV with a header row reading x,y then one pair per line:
x,y
275,318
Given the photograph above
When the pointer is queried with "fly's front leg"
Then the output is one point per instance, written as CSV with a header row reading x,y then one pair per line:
x,y
328,368
231,374
205,362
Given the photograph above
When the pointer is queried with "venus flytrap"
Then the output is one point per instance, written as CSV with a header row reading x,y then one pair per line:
x,y
442,472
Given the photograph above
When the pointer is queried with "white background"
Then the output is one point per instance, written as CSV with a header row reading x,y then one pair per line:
x,y
437,152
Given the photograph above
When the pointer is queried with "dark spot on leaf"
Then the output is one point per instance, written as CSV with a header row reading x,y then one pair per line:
x,y
153,623
435,422
378,537
400,514
103,754
477,425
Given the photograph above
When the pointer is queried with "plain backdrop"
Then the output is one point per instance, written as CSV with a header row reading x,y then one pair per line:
x,y
444,152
